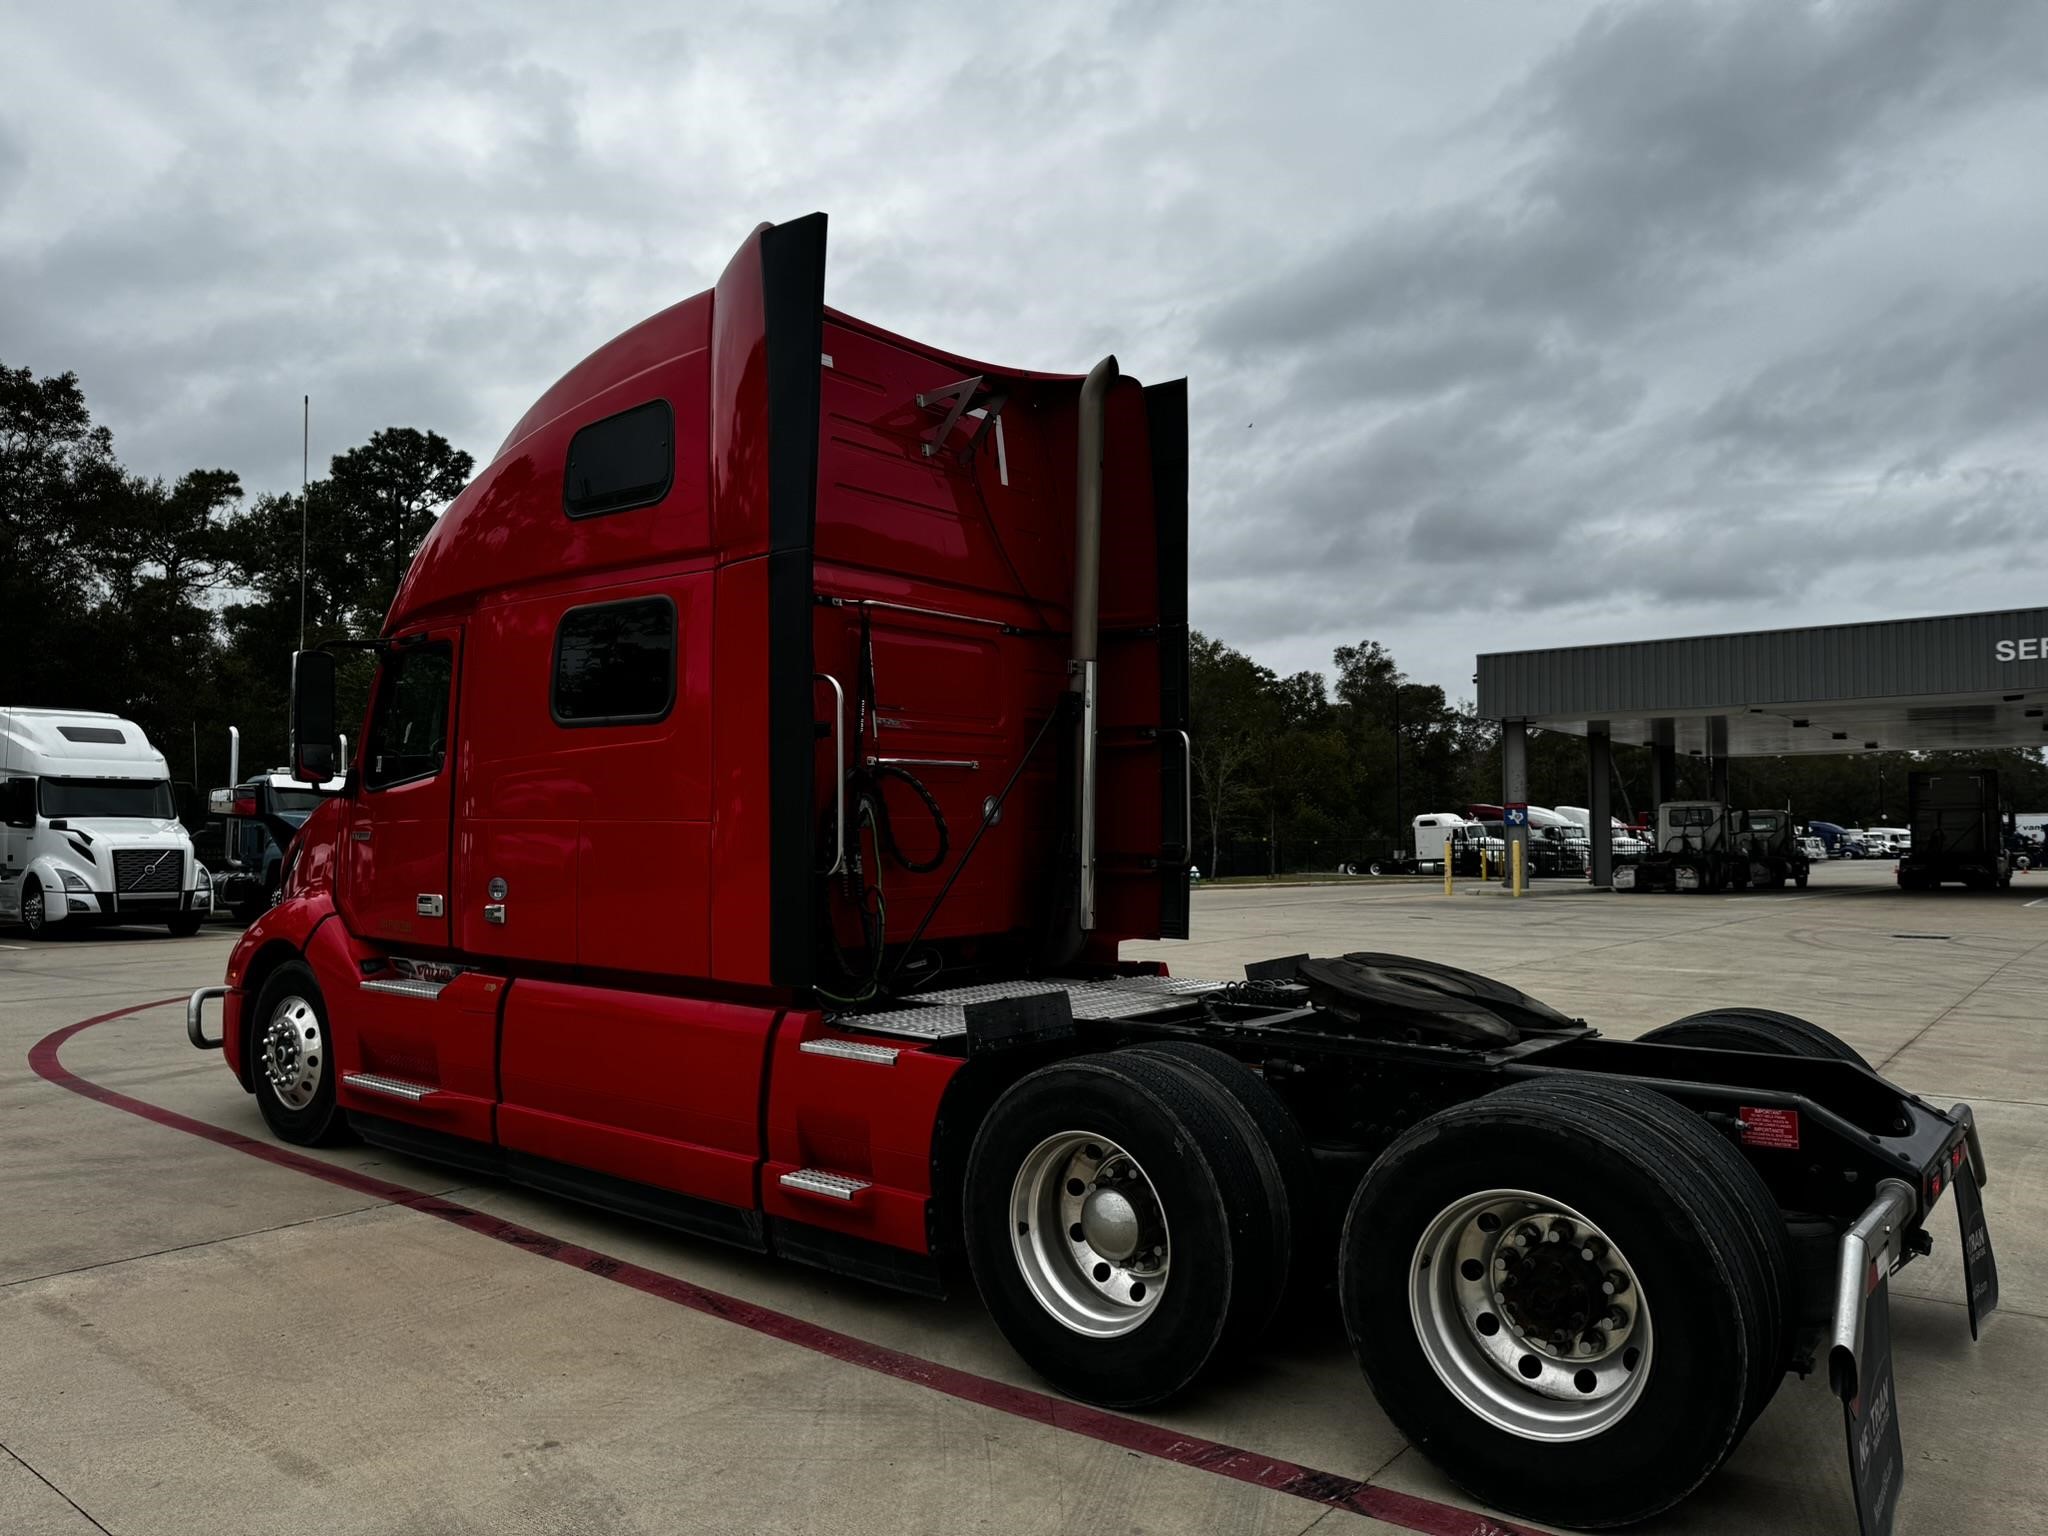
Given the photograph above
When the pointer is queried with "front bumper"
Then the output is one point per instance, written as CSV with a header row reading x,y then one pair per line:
x,y
144,908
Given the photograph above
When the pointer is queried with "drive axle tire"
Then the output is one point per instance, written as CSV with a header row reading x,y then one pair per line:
x,y
1744,1202
1755,1029
1115,1226
291,1060
1312,1240
185,924
1557,1304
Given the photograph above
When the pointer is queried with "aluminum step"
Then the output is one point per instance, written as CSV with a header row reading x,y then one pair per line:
x,y
852,1050
390,1087
405,987
816,1181
942,1015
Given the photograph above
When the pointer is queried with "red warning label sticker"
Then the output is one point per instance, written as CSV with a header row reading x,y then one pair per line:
x,y
1770,1128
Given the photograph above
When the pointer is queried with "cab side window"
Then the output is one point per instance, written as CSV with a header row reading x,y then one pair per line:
x,y
615,663
623,461
409,728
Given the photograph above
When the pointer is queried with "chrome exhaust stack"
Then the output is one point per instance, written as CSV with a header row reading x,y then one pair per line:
x,y
1090,434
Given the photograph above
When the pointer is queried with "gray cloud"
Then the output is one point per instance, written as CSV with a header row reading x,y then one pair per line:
x,y
1505,324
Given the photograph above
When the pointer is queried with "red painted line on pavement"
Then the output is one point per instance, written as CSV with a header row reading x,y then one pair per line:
x,y
1414,1513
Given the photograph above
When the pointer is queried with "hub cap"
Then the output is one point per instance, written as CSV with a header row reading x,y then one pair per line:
x,y
1089,1234
1530,1315
292,1052
32,912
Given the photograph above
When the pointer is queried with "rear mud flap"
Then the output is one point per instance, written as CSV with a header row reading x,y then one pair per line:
x,y
1877,1457
1860,1361
1980,1265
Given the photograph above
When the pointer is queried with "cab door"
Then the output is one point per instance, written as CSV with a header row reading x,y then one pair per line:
x,y
397,889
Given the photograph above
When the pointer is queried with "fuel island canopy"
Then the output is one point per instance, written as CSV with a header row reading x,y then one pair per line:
x,y
1963,681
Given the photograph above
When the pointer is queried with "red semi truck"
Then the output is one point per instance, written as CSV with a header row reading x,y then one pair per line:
x,y
768,754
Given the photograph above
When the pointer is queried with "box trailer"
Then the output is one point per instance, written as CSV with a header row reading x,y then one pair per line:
x,y
768,754
1959,830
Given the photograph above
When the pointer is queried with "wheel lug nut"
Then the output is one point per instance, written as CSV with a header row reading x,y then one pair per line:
x,y
1593,1251
1592,1341
1615,1318
1527,1234
1559,1231
1615,1283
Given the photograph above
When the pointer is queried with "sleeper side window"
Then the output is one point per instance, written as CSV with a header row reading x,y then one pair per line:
x,y
409,730
615,663
623,461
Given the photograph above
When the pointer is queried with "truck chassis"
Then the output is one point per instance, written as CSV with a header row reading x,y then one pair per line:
x,y
1142,1173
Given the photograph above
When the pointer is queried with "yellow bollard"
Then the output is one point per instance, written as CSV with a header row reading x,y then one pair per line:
x,y
1515,853
1447,866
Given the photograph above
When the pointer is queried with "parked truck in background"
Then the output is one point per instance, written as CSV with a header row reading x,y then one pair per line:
x,y
1557,846
1959,828
1769,842
1627,847
768,754
259,816
89,829
1471,846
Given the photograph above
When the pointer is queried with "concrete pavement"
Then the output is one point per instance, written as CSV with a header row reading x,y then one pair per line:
x,y
191,1337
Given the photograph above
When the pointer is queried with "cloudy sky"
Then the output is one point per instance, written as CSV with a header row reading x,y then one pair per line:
x,y
1507,324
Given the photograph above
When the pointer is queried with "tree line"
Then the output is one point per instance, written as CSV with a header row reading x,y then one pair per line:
x,y
177,603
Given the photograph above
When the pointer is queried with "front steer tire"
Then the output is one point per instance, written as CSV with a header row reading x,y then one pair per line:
x,y
1451,1371
294,1083
1104,1343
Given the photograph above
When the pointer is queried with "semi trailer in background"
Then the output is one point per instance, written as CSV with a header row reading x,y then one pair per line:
x,y
1960,826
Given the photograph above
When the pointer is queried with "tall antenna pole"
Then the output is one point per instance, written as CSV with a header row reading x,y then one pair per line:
x,y
305,480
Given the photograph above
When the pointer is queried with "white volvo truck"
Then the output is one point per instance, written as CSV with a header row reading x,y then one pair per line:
x,y
88,829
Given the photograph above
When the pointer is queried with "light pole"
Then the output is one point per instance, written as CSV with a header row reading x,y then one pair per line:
x,y
1399,823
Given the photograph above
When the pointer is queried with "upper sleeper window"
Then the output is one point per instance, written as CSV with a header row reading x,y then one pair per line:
x,y
104,734
615,663
627,460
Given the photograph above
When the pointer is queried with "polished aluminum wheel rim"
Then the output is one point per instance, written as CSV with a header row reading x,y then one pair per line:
x,y
293,1052
1089,1234
1531,1315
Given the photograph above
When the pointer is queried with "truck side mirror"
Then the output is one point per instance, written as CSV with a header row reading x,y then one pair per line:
x,y
312,744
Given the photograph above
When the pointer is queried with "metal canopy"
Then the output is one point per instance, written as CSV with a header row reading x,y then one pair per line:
x,y
1965,681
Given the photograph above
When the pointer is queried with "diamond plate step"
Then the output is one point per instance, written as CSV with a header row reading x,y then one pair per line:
x,y
829,1186
852,1050
390,1087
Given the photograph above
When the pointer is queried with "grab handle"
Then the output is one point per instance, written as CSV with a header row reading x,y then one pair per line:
x,y
838,772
